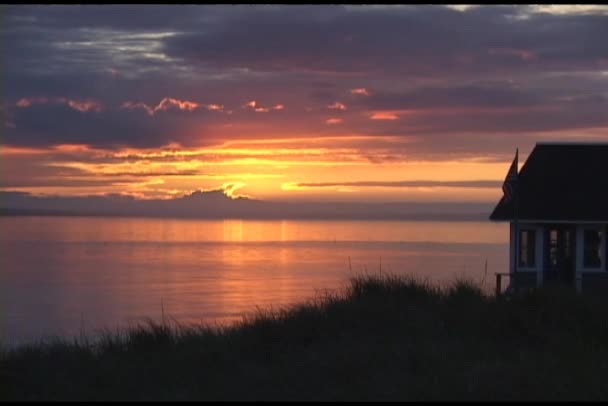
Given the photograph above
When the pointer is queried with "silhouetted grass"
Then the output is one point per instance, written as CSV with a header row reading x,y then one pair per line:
x,y
382,338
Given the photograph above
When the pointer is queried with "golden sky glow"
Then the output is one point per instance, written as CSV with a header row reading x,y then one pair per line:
x,y
273,169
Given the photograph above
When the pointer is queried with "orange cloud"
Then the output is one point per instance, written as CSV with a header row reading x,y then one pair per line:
x,y
84,106
168,102
334,121
337,106
80,105
384,115
258,108
165,104
361,90
27,102
216,107
13,150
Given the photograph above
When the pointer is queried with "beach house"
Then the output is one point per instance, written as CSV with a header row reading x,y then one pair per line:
x,y
557,207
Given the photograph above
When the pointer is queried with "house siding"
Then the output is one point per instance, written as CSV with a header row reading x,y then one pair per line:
x,y
524,280
595,282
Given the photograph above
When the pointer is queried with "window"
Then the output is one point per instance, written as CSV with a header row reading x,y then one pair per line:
x,y
527,248
592,248
553,248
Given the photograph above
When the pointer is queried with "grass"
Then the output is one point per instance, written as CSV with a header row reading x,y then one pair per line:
x,y
382,338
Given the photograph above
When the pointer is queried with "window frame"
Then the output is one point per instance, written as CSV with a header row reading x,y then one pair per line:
x,y
530,249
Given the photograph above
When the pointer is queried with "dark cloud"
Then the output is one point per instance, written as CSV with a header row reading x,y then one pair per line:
x,y
488,70
117,17
55,124
409,40
453,97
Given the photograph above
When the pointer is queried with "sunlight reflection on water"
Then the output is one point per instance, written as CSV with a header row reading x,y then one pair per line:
x,y
62,275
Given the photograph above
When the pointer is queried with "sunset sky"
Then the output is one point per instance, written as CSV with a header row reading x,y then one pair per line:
x,y
294,103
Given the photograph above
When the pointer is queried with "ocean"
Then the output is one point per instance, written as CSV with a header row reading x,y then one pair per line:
x,y
67,276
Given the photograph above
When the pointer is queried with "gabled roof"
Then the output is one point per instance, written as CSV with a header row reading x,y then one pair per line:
x,y
562,182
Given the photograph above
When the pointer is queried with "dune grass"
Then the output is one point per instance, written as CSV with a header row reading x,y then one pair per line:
x,y
383,338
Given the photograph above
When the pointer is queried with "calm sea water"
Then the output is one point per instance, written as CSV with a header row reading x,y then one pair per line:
x,y
61,276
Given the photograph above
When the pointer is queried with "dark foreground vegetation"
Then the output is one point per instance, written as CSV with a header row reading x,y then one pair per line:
x,y
383,338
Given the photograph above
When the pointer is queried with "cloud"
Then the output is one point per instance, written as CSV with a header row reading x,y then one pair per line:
x,y
80,105
523,54
563,9
460,81
84,106
453,96
254,105
360,91
258,108
403,183
166,104
337,106
401,37
384,115
362,39
58,123
27,102
216,107
230,189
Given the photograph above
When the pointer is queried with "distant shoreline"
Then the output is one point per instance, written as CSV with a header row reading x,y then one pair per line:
x,y
217,205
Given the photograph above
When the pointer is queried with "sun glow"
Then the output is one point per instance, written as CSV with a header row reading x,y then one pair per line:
x,y
276,169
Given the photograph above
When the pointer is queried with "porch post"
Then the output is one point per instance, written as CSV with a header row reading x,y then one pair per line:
x,y
516,250
540,254
578,258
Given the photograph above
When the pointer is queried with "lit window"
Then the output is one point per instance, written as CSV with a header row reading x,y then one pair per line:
x,y
527,248
592,248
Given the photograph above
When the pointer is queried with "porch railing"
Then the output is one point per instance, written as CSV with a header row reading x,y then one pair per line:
x,y
499,276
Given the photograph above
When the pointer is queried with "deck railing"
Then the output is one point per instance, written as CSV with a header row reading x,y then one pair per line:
x,y
499,276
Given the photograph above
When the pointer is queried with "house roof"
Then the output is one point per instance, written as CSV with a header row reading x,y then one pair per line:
x,y
561,182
